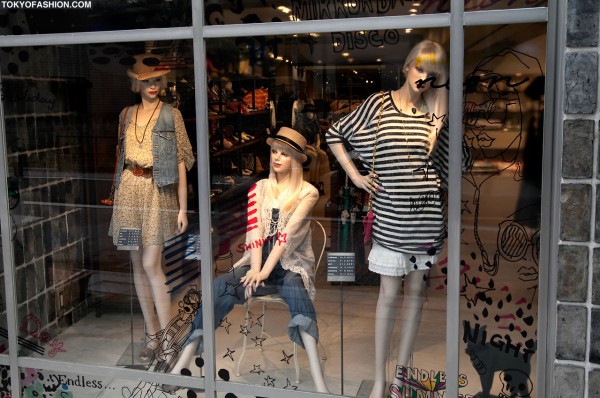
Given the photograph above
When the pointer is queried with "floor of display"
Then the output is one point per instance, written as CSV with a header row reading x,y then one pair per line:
x,y
487,306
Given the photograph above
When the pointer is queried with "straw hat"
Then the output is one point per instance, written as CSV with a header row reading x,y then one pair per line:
x,y
291,138
146,67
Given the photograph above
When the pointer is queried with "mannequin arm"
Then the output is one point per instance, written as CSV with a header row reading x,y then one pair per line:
x,y
296,222
366,182
182,221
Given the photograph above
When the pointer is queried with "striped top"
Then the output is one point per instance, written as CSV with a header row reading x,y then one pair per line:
x,y
409,208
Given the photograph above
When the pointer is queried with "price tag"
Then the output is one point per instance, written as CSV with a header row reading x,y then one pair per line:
x,y
129,239
340,267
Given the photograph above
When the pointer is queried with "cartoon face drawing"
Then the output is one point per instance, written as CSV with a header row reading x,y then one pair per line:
x,y
515,384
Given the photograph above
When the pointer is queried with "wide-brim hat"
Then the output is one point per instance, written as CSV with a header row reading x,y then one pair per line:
x,y
291,138
147,66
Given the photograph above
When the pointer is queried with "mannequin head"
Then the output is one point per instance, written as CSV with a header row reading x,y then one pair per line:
x,y
431,58
136,85
147,68
287,155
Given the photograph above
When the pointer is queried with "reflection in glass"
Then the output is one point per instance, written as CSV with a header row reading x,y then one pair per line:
x,y
62,110
503,111
17,18
254,11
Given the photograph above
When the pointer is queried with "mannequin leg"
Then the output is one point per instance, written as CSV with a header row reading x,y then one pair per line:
x,y
385,316
310,345
227,291
185,358
144,293
412,309
152,264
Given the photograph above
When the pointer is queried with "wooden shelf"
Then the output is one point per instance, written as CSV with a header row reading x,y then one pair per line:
x,y
235,148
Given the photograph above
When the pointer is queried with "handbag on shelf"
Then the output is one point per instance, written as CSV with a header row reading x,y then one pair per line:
x,y
111,197
369,219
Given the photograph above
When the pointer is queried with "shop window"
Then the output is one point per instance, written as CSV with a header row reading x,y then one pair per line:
x,y
503,113
259,88
81,297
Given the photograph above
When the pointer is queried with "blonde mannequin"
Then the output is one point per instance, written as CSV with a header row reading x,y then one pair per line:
x,y
408,231
279,217
149,197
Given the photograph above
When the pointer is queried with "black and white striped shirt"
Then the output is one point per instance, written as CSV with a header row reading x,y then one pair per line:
x,y
409,209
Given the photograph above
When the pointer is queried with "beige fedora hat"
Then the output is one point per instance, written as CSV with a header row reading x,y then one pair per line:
x,y
147,66
291,138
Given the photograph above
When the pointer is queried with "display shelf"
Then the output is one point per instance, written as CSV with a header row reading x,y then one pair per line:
x,y
235,148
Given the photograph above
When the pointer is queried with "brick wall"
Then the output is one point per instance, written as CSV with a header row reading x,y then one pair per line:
x,y
45,104
577,364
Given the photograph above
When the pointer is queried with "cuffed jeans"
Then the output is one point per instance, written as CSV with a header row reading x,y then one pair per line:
x,y
229,291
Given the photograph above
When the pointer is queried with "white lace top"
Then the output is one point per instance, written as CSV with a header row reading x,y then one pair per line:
x,y
293,230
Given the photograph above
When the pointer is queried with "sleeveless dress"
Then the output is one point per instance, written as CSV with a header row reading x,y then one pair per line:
x,y
139,202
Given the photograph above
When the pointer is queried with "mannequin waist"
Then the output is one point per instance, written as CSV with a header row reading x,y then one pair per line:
x,y
138,171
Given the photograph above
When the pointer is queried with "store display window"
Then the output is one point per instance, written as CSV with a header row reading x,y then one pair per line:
x,y
500,268
327,204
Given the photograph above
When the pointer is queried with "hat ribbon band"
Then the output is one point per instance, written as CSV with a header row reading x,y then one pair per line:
x,y
289,141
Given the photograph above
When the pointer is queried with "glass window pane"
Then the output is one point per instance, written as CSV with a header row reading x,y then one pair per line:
x,y
70,16
260,87
255,11
84,296
503,114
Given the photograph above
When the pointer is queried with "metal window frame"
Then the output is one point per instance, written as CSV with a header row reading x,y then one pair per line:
x,y
456,20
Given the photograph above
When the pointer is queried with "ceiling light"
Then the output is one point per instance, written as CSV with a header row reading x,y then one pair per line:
x,y
345,54
413,10
416,3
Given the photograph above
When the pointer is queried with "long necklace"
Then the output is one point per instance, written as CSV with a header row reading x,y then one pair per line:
x,y
414,108
145,128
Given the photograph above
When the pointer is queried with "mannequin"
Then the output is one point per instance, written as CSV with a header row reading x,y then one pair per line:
x,y
279,209
400,129
308,125
151,189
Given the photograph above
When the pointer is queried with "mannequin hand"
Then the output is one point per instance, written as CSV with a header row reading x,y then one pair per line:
x,y
367,182
251,281
182,221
